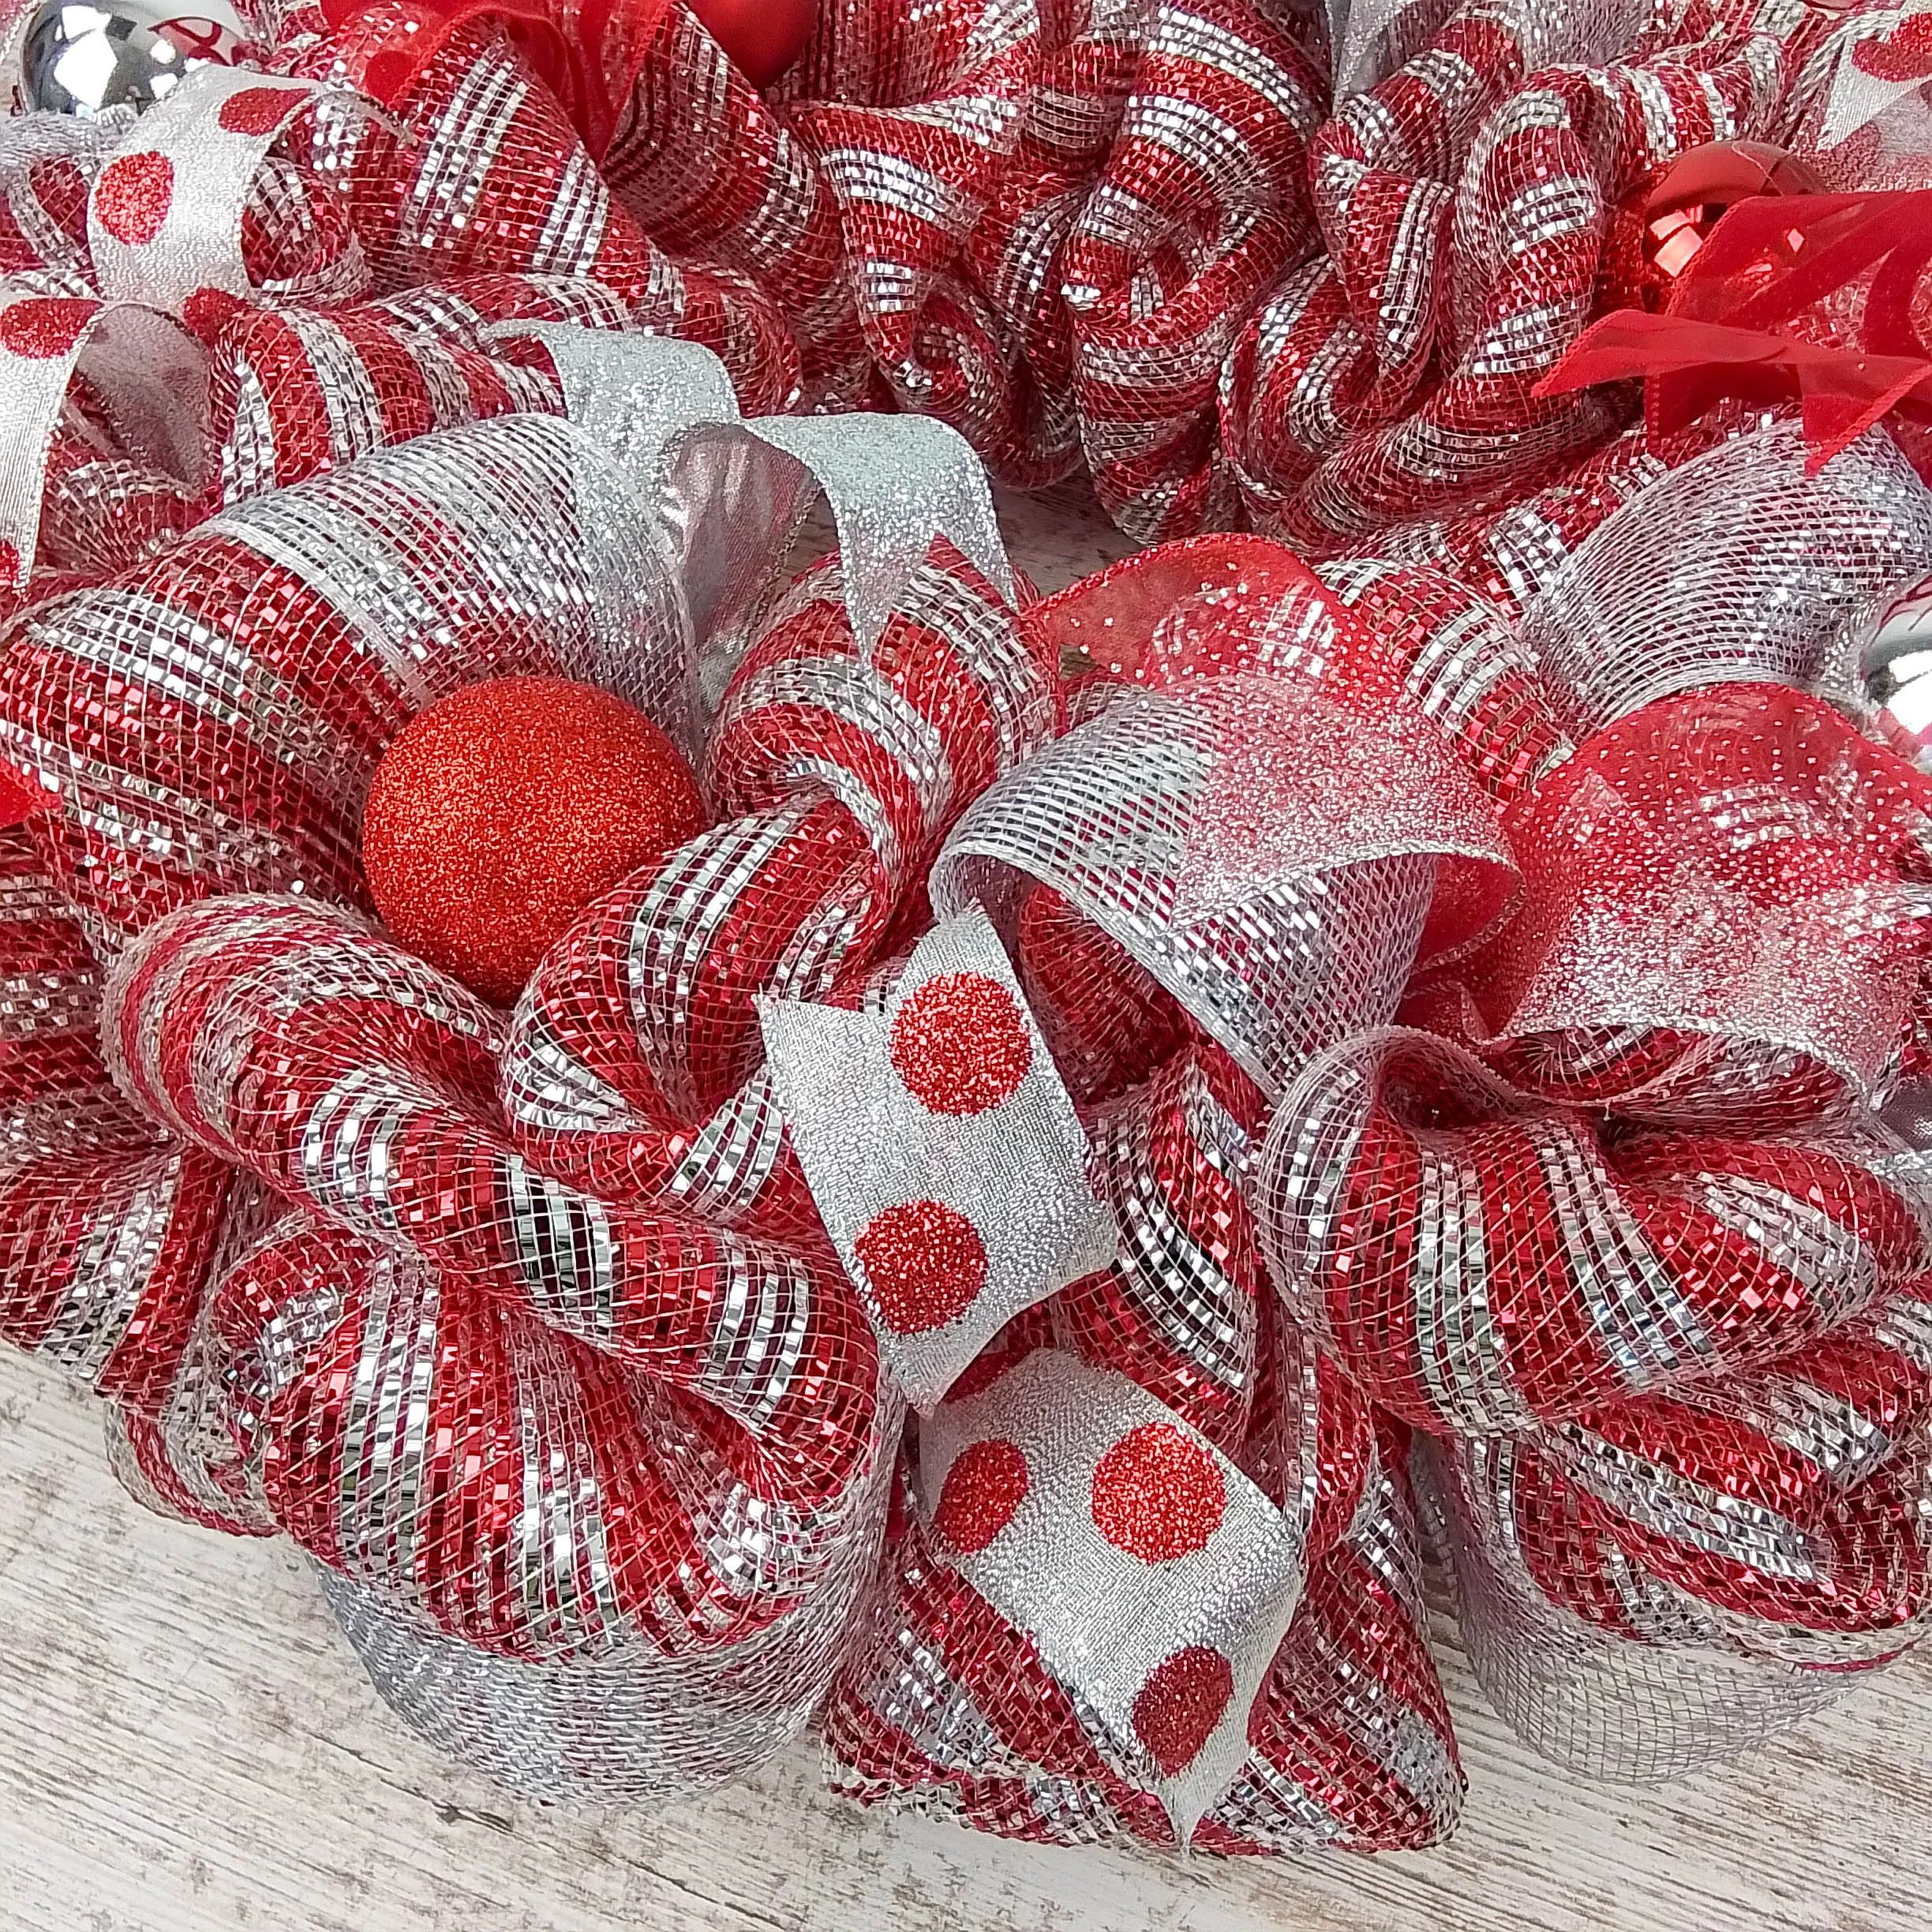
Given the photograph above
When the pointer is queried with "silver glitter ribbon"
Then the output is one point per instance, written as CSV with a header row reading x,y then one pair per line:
x,y
1737,567
1861,92
1279,893
665,409
151,377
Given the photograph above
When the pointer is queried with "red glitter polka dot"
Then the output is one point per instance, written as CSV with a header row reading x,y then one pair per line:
x,y
1905,54
132,197
45,326
1157,1495
207,308
1180,1704
925,1265
987,1483
961,1044
259,111
9,563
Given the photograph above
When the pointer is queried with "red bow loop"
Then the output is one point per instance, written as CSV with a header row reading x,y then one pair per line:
x,y
1753,318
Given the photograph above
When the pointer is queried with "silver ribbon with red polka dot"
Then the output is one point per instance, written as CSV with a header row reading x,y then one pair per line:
x,y
942,1150
1876,57
149,365
1155,1578
164,219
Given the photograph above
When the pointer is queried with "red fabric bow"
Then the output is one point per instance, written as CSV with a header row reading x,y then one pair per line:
x,y
1749,320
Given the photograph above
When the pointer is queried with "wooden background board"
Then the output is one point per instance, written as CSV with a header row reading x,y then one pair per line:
x,y
186,1746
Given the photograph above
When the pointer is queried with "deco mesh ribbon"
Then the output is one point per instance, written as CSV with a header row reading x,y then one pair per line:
x,y
1278,1063
1120,237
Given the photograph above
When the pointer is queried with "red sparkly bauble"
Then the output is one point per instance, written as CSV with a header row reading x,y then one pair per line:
x,y
498,815
762,37
1657,232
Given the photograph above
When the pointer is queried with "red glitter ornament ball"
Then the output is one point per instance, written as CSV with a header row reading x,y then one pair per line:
x,y
500,814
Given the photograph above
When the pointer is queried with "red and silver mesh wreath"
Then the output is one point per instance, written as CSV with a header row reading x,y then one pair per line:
x,y
1044,228
1102,235
254,238
1620,1230
607,1467
1619,1222
1463,202
527,1327
1260,1056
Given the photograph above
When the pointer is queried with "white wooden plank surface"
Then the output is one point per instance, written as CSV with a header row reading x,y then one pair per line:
x,y
186,1746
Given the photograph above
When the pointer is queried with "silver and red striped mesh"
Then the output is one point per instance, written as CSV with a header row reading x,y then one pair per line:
x,y
1090,234
480,168
1670,1570
1174,1027
1705,1348
1617,1224
359,306
1463,201
1482,1262
107,1225
558,1446
945,1707
597,1476
1203,202
1043,226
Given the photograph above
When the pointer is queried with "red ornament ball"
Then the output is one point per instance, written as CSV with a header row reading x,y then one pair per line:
x,y
762,37
500,814
1663,223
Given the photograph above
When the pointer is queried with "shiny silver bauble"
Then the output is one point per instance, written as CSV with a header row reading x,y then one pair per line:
x,y
83,60
1894,666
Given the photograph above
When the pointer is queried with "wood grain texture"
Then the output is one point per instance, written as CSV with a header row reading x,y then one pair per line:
x,y
185,1746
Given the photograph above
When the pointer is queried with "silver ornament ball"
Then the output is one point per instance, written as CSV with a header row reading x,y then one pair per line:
x,y
1896,669
85,59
